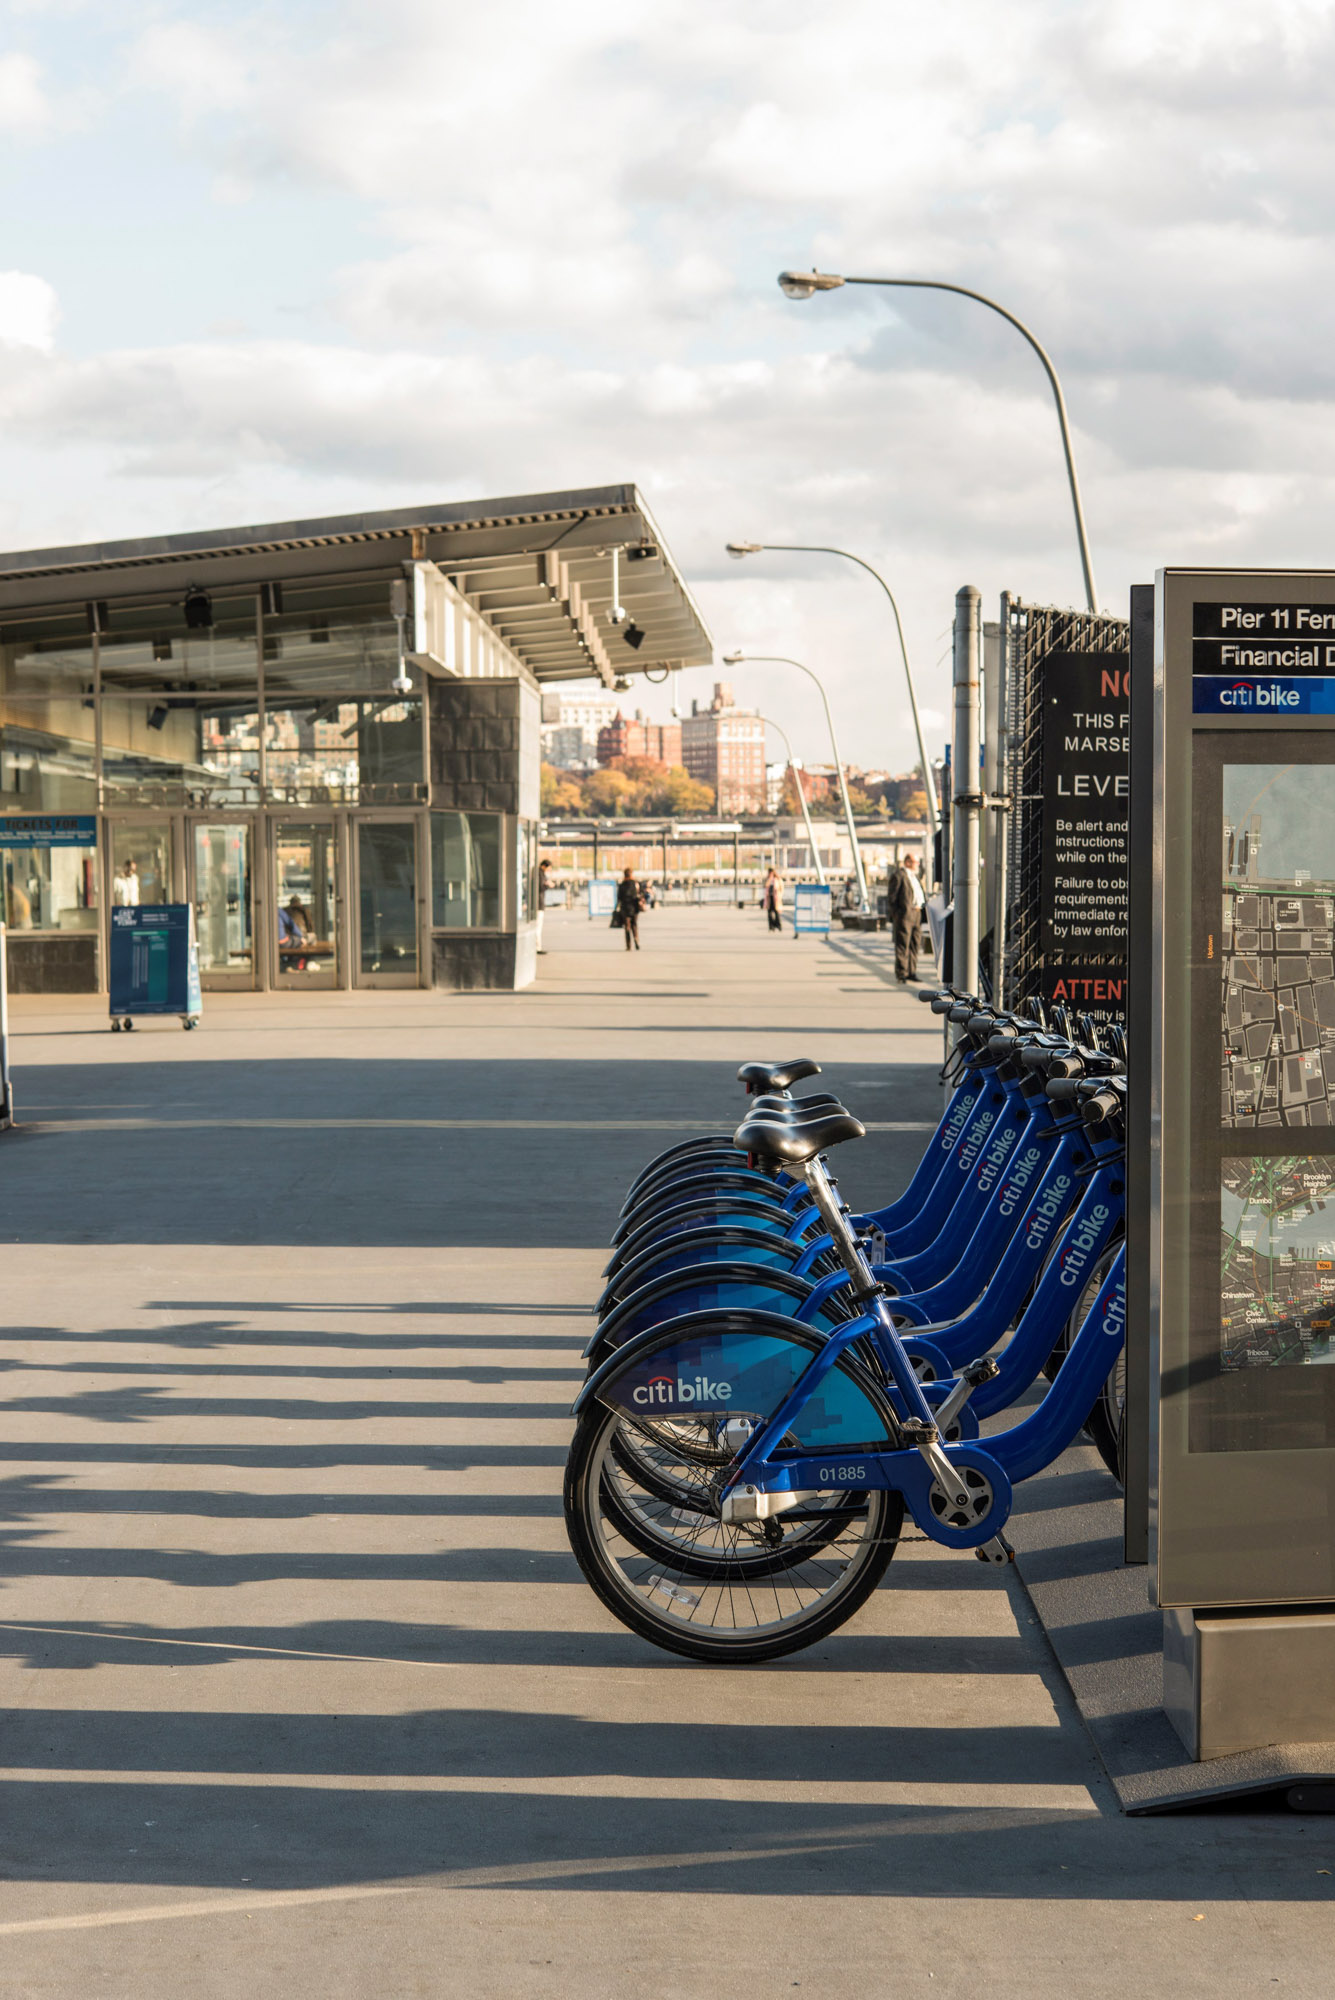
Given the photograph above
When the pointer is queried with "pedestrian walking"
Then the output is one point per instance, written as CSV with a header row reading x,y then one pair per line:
x,y
629,903
774,899
906,906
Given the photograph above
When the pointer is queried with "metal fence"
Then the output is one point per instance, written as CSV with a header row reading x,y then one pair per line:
x,y
1030,635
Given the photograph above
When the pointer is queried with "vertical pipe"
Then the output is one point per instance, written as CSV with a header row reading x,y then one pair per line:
x,y
966,775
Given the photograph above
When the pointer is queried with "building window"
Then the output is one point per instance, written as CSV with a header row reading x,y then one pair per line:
x,y
327,636
48,888
180,749
466,870
352,752
526,870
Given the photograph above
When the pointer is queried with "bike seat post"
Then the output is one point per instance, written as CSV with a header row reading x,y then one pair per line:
x,y
835,1216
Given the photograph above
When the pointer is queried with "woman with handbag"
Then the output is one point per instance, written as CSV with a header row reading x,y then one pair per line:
x,y
629,903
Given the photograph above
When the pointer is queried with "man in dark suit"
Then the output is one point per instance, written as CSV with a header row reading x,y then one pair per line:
x,y
906,905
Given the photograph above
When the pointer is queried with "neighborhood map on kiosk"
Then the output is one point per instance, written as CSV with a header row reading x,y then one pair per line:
x,y
1277,1261
1278,971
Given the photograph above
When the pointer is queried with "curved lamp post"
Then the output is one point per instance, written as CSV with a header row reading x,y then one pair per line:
x,y
740,549
781,660
782,734
802,284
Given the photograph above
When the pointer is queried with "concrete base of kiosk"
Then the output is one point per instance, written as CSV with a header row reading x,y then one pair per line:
x,y
1239,1680
1108,1641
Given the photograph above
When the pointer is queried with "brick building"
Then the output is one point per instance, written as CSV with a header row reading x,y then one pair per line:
x,y
724,747
634,737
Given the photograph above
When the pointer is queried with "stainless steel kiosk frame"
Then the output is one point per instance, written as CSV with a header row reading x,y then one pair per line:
x,y
1242,1155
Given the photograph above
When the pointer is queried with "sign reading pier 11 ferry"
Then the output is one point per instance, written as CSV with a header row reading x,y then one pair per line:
x,y
1243,1089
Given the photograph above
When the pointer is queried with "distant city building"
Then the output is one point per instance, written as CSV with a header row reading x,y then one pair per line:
x,y
571,719
636,737
724,747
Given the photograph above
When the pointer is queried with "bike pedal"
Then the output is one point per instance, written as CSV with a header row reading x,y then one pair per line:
x,y
998,1550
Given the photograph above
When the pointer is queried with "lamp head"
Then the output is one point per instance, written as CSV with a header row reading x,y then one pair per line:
x,y
740,549
734,659
801,284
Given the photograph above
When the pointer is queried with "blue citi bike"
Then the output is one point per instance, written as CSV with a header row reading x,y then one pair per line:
x,y
739,1475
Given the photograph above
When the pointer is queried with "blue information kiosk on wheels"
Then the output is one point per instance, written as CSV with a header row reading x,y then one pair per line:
x,y
811,908
154,965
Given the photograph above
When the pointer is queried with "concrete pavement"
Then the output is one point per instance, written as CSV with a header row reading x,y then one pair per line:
x,y
300,1689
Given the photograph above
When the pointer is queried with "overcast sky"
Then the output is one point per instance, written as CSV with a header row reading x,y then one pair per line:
x,y
268,262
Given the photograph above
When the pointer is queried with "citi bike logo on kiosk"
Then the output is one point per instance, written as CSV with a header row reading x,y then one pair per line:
x,y
1219,694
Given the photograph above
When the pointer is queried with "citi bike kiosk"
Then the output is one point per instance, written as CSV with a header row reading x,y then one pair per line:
x,y
1242,1156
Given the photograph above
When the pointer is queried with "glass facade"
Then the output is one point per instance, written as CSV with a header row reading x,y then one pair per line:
x,y
466,870
228,747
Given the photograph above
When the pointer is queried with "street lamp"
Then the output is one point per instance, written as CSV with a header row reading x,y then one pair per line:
x,y
740,549
781,660
802,285
770,723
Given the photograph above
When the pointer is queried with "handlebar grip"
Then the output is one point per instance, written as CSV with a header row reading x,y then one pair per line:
x,y
1102,1104
1066,1066
1061,1089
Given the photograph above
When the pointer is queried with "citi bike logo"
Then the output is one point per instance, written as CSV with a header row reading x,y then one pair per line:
x,y
995,1158
1049,1208
674,1389
1076,1254
1258,694
976,1140
1020,1176
955,1126
1114,1314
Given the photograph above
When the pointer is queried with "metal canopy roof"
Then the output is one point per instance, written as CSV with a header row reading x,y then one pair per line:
x,y
538,568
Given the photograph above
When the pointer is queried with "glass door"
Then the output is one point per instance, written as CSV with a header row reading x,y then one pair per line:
x,y
386,902
141,856
220,854
306,902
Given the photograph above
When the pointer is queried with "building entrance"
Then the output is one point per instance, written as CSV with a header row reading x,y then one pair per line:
x,y
220,864
308,902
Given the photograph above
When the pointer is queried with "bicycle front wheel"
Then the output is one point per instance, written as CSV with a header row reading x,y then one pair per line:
x,y
641,1497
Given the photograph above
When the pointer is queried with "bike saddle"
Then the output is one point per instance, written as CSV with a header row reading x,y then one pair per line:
x,y
816,1100
793,1143
758,1076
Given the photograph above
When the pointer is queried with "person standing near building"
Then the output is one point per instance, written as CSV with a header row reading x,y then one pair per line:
x,y
626,915
125,886
905,905
774,899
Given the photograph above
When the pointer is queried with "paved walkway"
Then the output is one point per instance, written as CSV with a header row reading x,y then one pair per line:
x,y
300,1690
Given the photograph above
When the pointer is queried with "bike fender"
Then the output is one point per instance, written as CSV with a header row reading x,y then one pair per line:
x,y
738,1319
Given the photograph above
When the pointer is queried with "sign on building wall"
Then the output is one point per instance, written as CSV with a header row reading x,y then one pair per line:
x,y
48,830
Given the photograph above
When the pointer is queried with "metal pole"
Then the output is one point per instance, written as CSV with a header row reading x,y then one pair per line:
x,y
736,870
6,1093
816,549
782,660
963,291
965,766
801,800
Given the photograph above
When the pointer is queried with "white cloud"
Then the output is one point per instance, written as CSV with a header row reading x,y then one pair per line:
x,y
29,311
25,111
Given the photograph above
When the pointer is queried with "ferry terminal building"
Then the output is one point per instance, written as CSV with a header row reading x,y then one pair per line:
x,y
324,734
